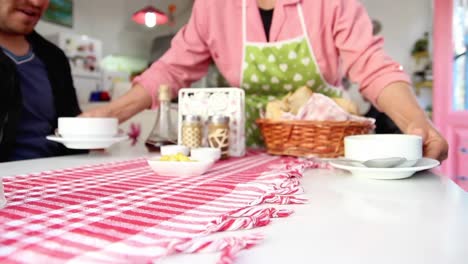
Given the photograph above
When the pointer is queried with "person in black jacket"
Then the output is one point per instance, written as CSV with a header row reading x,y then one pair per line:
x,y
36,86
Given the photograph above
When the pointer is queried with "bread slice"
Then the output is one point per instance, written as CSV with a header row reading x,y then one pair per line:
x,y
298,99
276,109
347,105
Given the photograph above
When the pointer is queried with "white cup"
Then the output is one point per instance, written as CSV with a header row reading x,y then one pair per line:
x,y
205,154
367,147
2,195
94,127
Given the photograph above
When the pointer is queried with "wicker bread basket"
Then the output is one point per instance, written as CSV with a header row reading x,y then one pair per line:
x,y
323,139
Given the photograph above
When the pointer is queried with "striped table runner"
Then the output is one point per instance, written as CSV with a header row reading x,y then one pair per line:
x,y
123,212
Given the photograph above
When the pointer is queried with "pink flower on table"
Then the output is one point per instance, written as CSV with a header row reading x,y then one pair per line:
x,y
134,133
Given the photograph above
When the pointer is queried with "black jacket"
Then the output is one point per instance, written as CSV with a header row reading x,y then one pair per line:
x,y
60,78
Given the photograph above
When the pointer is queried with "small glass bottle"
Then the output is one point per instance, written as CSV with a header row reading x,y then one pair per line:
x,y
162,132
192,132
218,134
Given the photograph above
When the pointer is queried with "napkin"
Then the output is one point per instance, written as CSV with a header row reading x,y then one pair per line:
x,y
322,108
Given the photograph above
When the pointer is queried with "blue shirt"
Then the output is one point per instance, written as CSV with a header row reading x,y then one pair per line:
x,y
38,109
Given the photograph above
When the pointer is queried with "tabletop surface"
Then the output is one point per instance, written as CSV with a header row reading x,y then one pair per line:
x,y
423,219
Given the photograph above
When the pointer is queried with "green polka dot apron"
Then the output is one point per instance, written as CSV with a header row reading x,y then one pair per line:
x,y
271,70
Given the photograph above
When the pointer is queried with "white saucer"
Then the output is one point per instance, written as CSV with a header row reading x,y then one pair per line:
x,y
86,142
386,173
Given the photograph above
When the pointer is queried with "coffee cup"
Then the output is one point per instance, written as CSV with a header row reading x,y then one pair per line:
x,y
382,146
92,127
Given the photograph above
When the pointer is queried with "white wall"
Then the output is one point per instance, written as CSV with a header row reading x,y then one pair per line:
x,y
110,21
404,21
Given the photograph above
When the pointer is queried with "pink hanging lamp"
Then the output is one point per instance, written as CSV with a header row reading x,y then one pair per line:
x,y
150,16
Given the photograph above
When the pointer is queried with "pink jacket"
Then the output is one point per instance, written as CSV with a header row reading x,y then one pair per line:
x,y
340,32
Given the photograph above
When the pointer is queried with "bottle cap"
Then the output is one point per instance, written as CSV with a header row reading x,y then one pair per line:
x,y
218,119
191,118
164,93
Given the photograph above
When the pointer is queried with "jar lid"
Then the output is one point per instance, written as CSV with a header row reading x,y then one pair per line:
x,y
218,119
191,118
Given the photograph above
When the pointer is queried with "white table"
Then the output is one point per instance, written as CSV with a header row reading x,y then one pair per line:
x,y
423,219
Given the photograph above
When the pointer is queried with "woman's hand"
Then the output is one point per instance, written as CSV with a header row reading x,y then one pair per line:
x,y
123,108
434,145
398,101
102,111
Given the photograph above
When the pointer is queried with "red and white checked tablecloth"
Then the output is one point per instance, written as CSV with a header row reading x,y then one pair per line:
x,y
123,212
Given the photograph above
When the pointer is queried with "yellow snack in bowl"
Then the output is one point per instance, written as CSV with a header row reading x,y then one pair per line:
x,y
177,157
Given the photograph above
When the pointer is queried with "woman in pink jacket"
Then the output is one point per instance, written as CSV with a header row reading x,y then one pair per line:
x,y
271,47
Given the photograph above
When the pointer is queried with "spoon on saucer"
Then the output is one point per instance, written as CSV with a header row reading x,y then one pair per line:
x,y
373,163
